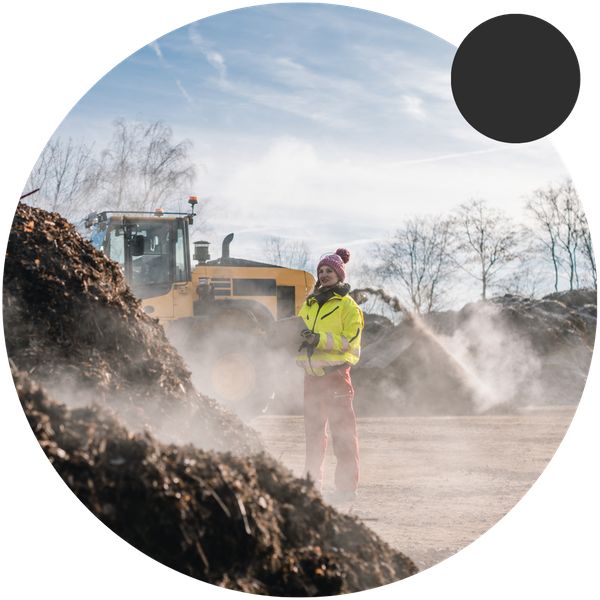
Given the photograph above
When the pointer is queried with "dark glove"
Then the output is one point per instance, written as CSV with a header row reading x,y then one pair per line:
x,y
310,347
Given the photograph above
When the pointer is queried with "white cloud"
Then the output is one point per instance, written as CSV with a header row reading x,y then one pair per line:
x,y
196,38
184,92
155,46
277,175
214,58
413,107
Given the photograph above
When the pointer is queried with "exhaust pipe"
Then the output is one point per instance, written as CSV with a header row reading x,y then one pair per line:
x,y
225,248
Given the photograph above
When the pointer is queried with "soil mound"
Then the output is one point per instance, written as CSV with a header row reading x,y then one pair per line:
x,y
236,519
241,523
71,322
509,351
405,370
550,324
553,335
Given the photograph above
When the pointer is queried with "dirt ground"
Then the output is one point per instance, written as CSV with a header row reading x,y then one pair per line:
x,y
432,485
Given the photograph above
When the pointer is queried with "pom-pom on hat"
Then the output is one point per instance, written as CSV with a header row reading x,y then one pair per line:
x,y
336,262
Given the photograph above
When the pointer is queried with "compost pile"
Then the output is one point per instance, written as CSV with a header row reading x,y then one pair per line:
x,y
556,331
559,320
405,370
510,350
241,523
237,519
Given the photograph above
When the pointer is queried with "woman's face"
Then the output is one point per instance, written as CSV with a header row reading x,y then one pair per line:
x,y
327,276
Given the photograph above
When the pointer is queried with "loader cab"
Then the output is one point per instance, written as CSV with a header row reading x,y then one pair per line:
x,y
154,256
153,253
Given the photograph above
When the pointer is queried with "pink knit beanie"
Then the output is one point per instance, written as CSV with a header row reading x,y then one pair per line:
x,y
336,262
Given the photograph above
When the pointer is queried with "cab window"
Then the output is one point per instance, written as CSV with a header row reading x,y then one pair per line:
x,y
180,270
148,251
154,265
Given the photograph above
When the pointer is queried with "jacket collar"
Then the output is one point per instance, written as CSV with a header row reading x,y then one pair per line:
x,y
321,295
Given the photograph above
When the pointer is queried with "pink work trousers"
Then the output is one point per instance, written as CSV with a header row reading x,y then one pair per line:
x,y
329,398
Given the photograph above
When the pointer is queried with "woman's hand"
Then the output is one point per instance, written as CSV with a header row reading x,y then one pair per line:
x,y
308,335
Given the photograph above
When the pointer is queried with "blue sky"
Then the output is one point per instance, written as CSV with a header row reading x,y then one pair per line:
x,y
320,122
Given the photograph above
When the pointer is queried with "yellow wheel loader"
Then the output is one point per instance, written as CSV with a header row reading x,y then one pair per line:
x,y
217,313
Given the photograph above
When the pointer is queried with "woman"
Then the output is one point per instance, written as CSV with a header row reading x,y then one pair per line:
x,y
334,323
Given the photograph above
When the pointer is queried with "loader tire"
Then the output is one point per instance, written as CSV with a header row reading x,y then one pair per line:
x,y
232,367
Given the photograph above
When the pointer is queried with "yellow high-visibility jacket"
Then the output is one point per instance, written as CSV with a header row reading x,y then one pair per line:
x,y
339,323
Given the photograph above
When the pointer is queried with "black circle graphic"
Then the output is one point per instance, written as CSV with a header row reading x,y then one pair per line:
x,y
515,78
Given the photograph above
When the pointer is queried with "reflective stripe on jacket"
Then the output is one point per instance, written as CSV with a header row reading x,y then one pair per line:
x,y
339,323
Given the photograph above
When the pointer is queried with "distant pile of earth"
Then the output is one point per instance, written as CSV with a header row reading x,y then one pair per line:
x,y
508,351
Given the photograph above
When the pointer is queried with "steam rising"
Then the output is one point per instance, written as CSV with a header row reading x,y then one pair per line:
x,y
492,355
501,366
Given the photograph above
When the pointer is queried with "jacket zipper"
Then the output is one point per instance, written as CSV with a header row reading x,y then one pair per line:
x,y
313,330
317,315
329,313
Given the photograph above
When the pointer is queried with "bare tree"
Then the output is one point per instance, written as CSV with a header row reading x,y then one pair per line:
x,y
562,230
569,235
587,251
416,260
287,253
143,169
543,206
65,175
487,241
